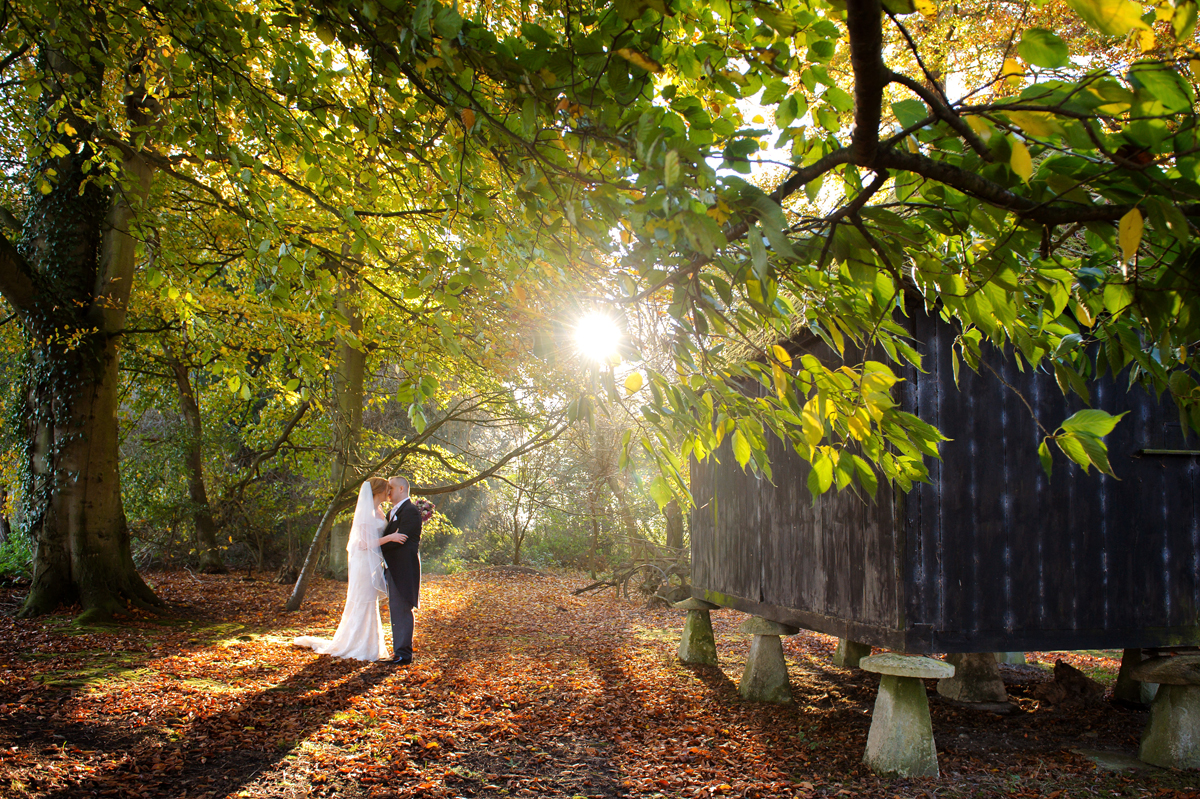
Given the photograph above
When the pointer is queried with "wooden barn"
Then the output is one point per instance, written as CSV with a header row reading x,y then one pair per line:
x,y
990,555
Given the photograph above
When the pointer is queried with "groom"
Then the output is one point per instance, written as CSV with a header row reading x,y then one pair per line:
x,y
403,567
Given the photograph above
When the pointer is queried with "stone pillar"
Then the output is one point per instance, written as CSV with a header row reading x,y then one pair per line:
x,y
339,535
765,678
976,678
1129,690
900,742
1172,737
849,653
697,645
1011,658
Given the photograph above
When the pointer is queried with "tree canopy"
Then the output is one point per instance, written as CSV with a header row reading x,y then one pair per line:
x,y
445,188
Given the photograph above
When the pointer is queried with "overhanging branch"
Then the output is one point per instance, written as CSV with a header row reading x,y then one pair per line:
x,y
16,281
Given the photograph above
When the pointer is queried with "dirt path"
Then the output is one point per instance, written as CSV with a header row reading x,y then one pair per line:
x,y
519,689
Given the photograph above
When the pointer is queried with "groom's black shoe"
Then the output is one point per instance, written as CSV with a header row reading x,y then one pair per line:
x,y
398,661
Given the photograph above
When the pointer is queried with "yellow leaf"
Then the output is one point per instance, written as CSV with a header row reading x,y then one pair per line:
x,y
1011,69
781,381
468,118
981,127
925,7
859,426
633,383
1036,123
1164,12
1145,40
782,355
44,187
1129,234
1020,161
640,60
1195,64
520,292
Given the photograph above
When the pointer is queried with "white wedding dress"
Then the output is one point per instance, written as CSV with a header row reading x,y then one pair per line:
x,y
359,634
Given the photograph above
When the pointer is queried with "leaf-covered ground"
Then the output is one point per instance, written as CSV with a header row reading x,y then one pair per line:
x,y
519,689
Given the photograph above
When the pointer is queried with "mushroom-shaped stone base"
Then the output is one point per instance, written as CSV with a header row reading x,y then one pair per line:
x,y
1172,738
976,678
849,653
697,645
900,742
766,678
1128,689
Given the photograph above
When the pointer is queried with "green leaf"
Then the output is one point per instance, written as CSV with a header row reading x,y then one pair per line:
x,y
910,112
1111,17
1045,457
1043,48
741,448
1069,444
1183,21
671,168
1163,83
660,492
821,476
1092,421
900,7
838,98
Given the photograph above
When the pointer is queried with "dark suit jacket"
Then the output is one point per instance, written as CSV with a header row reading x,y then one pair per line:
x,y
404,560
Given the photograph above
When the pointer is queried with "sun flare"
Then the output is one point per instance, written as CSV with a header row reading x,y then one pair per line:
x,y
597,336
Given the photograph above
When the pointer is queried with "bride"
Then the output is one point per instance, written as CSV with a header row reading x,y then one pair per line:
x,y
360,632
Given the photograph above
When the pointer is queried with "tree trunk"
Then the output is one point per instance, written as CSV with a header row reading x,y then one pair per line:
x,y
674,525
77,266
637,548
347,423
335,507
211,561
5,527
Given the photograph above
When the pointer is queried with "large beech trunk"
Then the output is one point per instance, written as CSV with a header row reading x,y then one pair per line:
x,y
70,282
82,541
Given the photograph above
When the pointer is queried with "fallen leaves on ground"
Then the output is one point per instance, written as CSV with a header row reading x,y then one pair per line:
x,y
518,689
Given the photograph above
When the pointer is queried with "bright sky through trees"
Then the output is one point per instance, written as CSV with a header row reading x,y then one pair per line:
x,y
597,336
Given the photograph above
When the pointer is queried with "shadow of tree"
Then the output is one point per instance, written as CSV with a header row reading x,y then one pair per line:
x,y
237,743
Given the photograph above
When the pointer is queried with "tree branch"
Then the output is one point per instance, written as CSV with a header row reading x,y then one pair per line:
x,y
864,20
16,278
945,112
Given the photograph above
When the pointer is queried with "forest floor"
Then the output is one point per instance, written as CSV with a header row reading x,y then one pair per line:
x,y
518,689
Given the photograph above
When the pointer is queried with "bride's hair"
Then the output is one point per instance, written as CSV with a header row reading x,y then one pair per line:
x,y
378,485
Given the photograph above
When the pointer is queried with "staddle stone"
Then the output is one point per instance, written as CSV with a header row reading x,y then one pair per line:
x,y
691,603
697,644
907,666
1172,737
976,678
849,653
766,678
1178,670
1129,690
900,742
757,625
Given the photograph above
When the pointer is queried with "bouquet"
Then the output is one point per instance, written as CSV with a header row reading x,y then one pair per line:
x,y
426,507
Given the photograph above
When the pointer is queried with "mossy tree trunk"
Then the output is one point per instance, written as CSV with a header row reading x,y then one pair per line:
x,y
69,281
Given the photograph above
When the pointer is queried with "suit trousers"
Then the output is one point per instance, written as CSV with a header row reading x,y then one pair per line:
x,y
402,620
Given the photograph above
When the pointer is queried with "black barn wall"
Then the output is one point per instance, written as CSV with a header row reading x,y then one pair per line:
x,y
990,555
